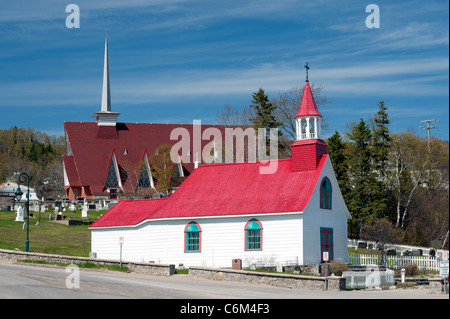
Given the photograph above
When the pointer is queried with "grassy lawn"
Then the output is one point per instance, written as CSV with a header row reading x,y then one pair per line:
x,y
48,237
363,251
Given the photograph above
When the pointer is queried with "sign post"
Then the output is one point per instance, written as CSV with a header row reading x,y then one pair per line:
x,y
443,272
121,243
443,268
325,258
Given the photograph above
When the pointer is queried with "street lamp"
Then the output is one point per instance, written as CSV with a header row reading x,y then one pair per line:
x,y
18,194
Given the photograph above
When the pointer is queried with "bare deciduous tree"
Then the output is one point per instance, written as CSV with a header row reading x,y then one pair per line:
x,y
287,103
382,231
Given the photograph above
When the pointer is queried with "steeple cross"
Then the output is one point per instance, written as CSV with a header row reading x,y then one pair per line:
x,y
307,69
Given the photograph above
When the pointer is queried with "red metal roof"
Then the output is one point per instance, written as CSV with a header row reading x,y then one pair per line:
x,y
224,189
71,170
129,212
308,104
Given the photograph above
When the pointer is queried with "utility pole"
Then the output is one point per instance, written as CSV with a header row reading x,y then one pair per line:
x,y
429,127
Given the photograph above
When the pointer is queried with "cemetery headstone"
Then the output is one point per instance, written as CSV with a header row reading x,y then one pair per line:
x,y
362,245
19,216
279,267
84,210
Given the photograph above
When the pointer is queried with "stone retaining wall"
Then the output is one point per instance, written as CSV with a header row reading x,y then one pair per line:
x,y
335,283
145,268
279,280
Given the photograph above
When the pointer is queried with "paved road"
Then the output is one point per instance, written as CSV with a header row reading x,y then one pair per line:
x,y
51,282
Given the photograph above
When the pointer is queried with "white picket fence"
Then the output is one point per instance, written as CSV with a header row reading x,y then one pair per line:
x,y
442,253
396,262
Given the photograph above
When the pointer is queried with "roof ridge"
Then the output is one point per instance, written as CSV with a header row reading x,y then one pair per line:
x,y
141,199
249,163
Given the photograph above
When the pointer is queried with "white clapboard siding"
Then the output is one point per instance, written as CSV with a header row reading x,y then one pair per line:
x,y
316,218
134,248
222,240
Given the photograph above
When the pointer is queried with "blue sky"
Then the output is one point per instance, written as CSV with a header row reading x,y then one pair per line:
x,y
174,61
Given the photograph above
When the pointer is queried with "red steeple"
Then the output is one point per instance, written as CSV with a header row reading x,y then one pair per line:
x,y
308,106
308,148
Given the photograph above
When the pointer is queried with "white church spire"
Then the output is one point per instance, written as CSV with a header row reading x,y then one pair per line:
x,y
105,117
106,95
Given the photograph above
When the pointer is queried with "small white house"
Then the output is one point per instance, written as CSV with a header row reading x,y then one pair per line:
x,y
9,188
232,211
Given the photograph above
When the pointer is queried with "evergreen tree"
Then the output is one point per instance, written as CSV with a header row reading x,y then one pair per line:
x,y
381,138
381,145
336,151
265,116
362,198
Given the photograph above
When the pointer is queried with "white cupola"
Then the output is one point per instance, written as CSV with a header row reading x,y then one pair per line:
x,y
308,117
308,146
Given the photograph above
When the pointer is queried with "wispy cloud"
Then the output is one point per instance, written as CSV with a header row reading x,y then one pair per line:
x,y
389,78
167,52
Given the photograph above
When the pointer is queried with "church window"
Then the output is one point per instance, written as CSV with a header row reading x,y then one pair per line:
x,y
144,180
253,235
325,194
112,179
192,238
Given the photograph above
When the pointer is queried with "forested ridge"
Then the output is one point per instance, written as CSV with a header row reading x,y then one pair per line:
x,y
35,153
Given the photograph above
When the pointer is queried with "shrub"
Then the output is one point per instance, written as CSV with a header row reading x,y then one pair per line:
x,y
337,267
411,270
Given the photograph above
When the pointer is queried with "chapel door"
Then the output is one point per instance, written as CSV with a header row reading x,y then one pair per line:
x,y
326,242
112,193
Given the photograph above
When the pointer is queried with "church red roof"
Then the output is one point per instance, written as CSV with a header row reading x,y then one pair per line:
x,y
223,189
71,170
308,104
92,147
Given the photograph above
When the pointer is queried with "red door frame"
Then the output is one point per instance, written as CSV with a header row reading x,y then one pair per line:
x,y
112,193
326,242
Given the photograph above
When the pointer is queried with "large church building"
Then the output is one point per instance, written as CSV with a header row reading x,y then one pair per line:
x,y
231,211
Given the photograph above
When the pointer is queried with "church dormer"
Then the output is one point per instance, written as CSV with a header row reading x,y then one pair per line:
x,y
308,145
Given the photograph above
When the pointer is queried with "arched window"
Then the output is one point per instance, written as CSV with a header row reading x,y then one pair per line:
x,y
303,124
325,194
253,235
192,238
